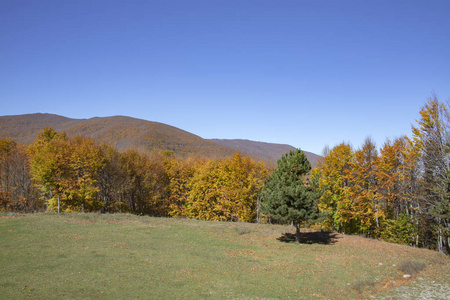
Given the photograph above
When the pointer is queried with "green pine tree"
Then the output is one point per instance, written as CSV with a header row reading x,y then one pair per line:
x,y
288,196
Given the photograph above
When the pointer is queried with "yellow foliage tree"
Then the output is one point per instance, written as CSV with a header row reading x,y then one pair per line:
x,y
66,170
363,189
226,190
334,181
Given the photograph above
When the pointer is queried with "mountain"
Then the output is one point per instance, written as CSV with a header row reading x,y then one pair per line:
x,y
119,131
25,128
126,132
265,151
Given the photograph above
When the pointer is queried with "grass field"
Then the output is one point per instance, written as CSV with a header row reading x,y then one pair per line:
x,y
83,256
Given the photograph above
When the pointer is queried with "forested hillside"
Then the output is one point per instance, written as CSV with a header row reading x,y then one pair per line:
x,y
119,131
262,150
145,136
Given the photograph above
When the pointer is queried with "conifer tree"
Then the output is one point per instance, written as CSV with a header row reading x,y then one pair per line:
x,y
288,196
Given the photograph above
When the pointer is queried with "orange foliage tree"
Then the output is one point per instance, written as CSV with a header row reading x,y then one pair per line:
x,y
17,192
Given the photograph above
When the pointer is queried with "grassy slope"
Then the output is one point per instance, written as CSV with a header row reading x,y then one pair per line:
x,y
82,256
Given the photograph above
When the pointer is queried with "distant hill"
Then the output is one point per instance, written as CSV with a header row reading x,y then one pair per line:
x,y
265,151
25,128
126,132
119,131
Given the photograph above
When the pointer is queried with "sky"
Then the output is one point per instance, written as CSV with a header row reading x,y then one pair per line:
x,y
305,73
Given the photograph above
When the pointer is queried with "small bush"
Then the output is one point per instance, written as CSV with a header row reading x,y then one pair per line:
x,y
441,259
242,230
362,284
400,230
411,267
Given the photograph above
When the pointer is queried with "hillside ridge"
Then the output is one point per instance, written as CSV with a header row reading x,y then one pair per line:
x,y
126,132
264,150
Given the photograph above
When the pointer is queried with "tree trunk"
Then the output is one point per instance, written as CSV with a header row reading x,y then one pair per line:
x,y
257,208
297,233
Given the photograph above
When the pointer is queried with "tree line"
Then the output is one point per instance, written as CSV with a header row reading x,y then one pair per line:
x,y
399,193
62,174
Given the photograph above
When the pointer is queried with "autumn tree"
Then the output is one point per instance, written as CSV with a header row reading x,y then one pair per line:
x,y
401,194
66,170
362,188
288,196
6,186
85,163
334,181
135,190
225,190
390,177
396,173
245,179
180,173
144,189
17,192
433,140
112,180
158,184
46,160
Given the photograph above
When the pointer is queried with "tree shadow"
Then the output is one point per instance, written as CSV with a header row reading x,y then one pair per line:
x,y
313,237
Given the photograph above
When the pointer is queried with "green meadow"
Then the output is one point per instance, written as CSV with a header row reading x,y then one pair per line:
x,y
119,256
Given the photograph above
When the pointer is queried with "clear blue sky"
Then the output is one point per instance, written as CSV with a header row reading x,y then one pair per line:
x,y
304,73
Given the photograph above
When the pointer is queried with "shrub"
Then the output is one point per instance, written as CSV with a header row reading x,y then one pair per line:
x,y
411,267
400,230
242,230
361,284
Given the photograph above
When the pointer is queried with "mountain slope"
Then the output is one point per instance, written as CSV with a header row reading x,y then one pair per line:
x,y
122,132
265,151
25,128
126,132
